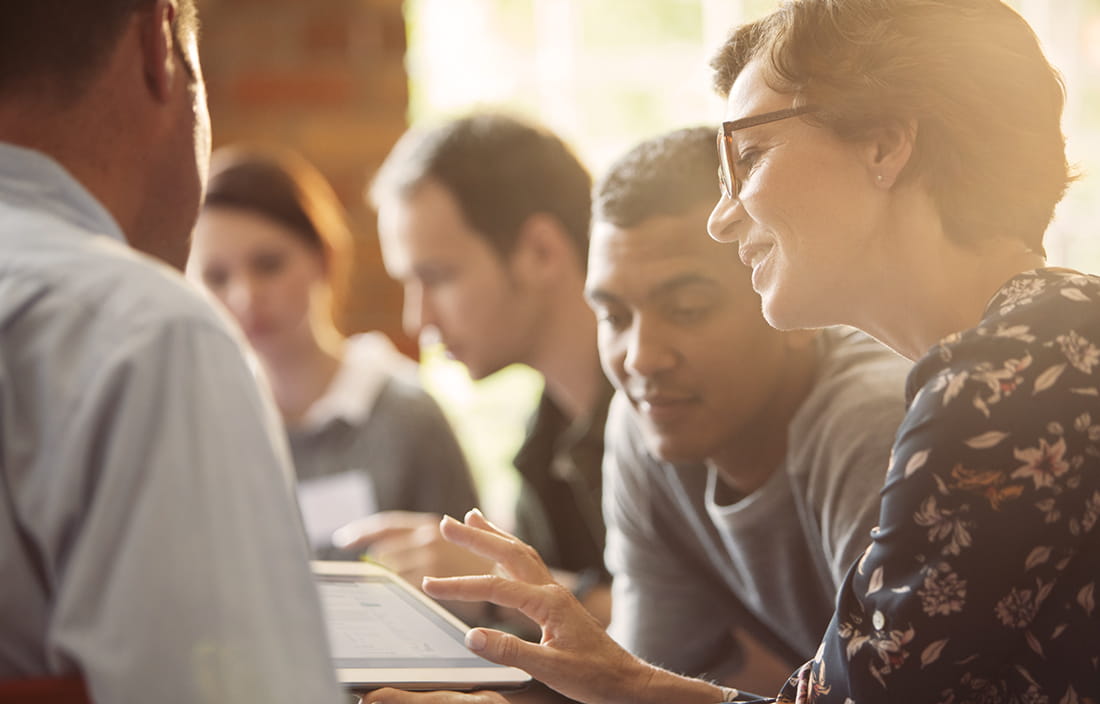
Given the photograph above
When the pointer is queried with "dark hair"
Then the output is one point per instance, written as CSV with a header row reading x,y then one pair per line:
x,y
285,188
666,175
58,46
969,73
499,169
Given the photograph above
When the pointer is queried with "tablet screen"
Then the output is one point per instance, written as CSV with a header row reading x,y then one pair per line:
x,y
373,623
385,633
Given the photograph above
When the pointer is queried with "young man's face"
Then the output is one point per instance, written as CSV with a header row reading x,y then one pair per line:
x,y
457,287
681,333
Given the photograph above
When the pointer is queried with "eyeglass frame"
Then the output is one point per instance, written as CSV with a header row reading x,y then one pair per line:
x,y
728,182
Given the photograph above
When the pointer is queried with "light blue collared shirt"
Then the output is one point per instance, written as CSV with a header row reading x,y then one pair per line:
x,y
147,538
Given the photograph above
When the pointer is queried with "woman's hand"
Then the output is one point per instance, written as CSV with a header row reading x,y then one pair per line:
x,y
575,655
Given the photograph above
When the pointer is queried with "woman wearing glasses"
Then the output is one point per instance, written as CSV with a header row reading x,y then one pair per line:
x,y
893,164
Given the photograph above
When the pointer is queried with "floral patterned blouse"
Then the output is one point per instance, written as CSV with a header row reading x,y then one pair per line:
x,y
980,583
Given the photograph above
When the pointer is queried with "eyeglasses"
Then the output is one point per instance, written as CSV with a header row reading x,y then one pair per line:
x,y
727,159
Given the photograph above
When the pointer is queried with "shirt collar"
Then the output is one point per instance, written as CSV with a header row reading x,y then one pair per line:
x,y
370,359
32,179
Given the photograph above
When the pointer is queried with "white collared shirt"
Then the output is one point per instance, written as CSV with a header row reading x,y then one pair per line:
x,y
370,359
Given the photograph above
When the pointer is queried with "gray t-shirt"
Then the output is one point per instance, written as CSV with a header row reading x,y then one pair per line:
x,y
688,570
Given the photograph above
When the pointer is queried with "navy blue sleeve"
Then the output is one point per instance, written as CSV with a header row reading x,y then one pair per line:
x,y
979,583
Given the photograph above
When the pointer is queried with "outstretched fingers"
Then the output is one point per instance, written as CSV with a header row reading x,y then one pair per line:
x,y
515,557
506,649
474,517
535,601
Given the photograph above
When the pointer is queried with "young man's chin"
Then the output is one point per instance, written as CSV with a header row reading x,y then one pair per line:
x,y
673,450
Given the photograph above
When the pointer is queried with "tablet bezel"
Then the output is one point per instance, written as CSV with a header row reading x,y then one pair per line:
x,y
429,677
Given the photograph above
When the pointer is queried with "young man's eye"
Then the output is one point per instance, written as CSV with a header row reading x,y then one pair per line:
x,y
611,319
432,274
433,279
689,309
689,315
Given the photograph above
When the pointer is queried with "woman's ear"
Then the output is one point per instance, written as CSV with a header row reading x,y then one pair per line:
x,y
889,150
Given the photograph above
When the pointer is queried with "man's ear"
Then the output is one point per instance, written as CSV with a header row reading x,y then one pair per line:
x,y
889,150
543,249
158,49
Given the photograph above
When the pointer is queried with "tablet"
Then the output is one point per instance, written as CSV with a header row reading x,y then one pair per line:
x,y
385,633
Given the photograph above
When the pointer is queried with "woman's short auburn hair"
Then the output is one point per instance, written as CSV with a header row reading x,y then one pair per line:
x,y
971,76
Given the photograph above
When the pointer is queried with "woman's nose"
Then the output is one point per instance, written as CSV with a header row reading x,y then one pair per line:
x,y
723,219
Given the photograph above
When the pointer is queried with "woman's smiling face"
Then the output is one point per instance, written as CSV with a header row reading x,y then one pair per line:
x,y
805,219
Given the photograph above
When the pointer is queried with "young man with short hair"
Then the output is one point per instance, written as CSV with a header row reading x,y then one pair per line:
x,y
484,220
744,462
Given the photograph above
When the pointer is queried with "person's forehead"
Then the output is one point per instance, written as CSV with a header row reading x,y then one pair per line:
x,y
427,220
658,248
421,243
751,95
232,227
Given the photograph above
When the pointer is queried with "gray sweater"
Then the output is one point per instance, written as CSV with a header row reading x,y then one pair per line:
x,y
378,431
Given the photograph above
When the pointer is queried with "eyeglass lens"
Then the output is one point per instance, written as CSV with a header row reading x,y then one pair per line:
x,y
727,176
727,180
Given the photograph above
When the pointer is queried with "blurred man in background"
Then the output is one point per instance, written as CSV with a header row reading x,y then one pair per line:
x,y
484,220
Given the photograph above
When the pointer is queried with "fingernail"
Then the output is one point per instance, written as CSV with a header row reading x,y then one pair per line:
x,y
476,640
342,539
474,512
